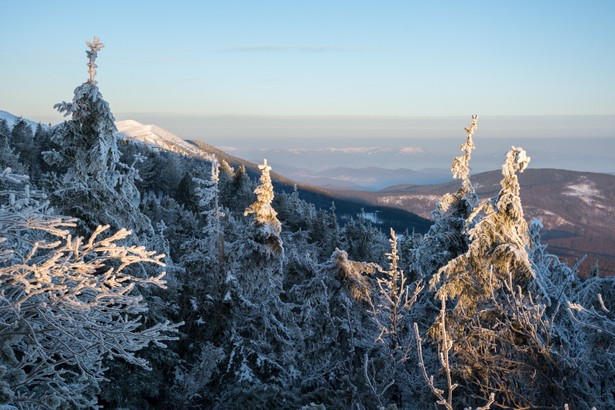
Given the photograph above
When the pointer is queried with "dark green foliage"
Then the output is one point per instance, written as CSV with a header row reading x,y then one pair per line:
x,y
365,241
8,157
22,140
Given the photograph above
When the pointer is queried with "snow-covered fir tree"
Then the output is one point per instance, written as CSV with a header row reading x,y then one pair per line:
x,y
498,245
89,180
447,237
66,305
8,157
22,140
268,227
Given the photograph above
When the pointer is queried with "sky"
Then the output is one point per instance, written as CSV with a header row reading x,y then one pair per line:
x,y
328,69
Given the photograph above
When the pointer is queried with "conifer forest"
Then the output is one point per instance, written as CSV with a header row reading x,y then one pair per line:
x,y
133,277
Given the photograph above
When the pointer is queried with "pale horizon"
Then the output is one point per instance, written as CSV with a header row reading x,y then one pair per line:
x,y
316,59
338,74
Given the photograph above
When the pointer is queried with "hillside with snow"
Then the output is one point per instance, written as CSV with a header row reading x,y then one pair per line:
x,y
155,136
297,290
572,205
11,119
576,208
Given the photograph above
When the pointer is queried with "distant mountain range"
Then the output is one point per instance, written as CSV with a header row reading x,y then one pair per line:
x,y
322,198
366,178
577,208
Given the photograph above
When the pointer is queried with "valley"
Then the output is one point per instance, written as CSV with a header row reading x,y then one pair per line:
x,y
576,208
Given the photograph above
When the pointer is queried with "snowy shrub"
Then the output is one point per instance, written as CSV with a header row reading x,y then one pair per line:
x,y
66,306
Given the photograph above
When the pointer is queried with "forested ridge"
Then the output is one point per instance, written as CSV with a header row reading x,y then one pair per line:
x,y
133,277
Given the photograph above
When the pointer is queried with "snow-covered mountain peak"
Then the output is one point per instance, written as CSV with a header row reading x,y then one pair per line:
x,y
11,119
154,135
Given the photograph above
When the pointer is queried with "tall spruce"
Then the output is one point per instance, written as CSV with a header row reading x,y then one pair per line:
x,y
66,305
448,236
88,179
268,227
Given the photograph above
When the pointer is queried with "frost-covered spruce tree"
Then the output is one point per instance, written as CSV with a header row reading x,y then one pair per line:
x,y
260,363
22,139
227,176
498,243
327,232
386,368
91,183
294,213
40,144
210,208
499,332
8,156
202,257
332,305
365,241
447,237
5,132
268,227
67,305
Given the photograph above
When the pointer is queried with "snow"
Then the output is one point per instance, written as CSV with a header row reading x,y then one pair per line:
x,y
585,190
154,135
420,204
400,199
412,150
11,119
580,190
552,220
371,217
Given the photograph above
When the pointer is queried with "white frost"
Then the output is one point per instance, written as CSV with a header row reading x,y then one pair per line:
x,y
154,135
585,190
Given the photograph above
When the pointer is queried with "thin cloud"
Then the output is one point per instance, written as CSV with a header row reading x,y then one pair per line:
x,y
408,150
297,49
340,150
412,150
357,150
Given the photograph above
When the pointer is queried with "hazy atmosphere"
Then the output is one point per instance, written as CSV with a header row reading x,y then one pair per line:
x,y
301,70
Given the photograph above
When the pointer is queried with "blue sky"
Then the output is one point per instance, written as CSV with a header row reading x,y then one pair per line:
x,y
311,60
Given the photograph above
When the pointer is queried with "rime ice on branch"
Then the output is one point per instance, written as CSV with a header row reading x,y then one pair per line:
x,y
461,165
95,46
461,170
91,181
264,214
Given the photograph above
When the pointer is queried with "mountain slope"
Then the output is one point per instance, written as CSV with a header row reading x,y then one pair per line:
x,y
388,216
576,207
156,136
152,135
11,119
